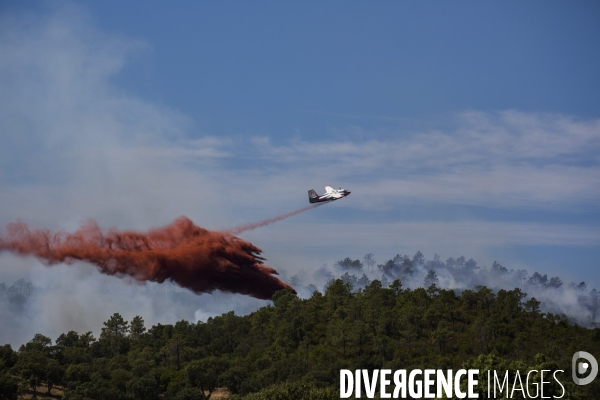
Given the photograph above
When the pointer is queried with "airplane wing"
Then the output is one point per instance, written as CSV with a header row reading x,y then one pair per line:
x,y
329,189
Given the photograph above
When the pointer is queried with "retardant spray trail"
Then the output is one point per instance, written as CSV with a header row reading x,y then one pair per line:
x,y
248,227
190,256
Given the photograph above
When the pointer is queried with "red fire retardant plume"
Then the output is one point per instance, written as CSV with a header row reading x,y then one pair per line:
x,y
248,227
182,252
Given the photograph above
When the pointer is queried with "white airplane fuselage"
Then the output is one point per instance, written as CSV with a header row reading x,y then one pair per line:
x,y
330,195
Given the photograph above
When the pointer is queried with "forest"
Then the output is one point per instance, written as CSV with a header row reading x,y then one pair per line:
x,y
295,347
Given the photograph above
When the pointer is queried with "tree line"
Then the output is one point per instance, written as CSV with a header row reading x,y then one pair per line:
x,y
461,273
296,347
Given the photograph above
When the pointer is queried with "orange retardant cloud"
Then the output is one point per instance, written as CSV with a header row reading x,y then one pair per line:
x,y
194,258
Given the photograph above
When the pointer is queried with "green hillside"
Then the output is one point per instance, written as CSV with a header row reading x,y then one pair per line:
x,y
296,348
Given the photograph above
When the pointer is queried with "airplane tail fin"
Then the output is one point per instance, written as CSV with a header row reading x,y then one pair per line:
x,y
313,197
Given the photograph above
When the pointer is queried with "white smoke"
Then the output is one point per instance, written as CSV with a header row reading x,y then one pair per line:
x,y
575,302
77,297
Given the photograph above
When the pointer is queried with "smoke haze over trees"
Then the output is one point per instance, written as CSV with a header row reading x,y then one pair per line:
x,y
573,300
25,309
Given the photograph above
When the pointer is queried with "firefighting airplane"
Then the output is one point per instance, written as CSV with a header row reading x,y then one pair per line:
x,y
330,194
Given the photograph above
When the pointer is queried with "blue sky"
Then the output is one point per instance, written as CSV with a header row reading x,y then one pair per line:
x,y
275,67
461,128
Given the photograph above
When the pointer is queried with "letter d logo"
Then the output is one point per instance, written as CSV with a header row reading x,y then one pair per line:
x,y
582,367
